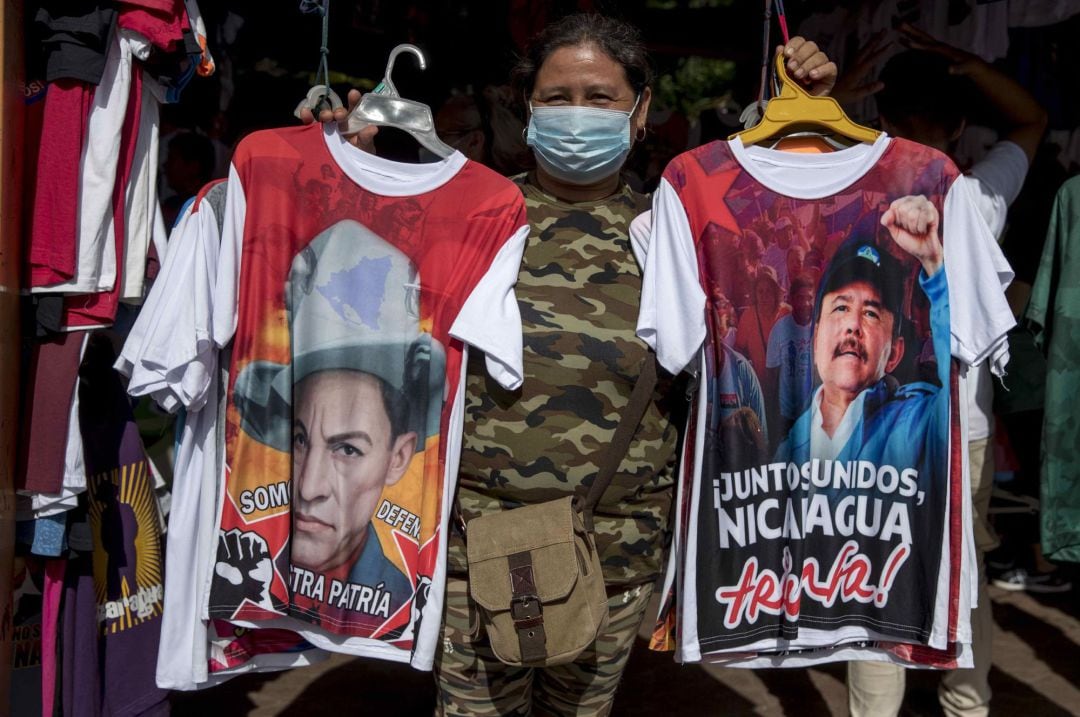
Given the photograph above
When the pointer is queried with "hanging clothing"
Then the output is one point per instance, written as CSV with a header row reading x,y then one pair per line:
x,y
113,581
164,357
340,275
880,484
1054,308
75,38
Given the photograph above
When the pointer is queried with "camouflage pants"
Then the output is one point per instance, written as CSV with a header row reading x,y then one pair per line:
x,y
472,682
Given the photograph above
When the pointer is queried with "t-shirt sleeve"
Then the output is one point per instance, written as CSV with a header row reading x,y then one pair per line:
x,y
490,319
193,364
996,181
640,229
226,290
169,355
672,316
977,274
161,323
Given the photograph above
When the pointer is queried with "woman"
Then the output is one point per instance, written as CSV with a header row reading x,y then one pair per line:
x,y
587,81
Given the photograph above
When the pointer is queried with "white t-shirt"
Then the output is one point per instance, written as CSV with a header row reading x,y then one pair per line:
x,y
994,183
143,223
978,319
333,259
165,358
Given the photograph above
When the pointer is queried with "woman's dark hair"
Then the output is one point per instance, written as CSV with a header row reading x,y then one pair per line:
x,y
620,40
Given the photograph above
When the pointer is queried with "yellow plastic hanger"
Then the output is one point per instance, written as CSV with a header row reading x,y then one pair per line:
x,y
795,109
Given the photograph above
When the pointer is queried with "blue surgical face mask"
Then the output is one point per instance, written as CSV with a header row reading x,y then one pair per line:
x,y
579,145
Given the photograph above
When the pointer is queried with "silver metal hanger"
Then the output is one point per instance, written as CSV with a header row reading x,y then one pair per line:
x,y
383,106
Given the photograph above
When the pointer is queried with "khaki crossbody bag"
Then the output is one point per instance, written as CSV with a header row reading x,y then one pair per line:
x,y
534,571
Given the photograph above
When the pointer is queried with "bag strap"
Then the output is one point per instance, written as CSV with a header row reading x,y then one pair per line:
x,y
632,414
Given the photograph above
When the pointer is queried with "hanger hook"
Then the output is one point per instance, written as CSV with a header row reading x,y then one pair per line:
x,y
789,87
404,47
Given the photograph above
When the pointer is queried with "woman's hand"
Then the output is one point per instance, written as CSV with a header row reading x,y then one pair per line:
x,y
809,66
364,139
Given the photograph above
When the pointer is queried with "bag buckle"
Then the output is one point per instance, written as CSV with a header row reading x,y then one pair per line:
x,y
526,611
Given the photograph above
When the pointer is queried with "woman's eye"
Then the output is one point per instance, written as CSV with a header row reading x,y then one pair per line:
x,y
299,440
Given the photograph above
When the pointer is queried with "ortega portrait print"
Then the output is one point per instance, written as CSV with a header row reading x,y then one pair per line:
x,y
356,408
827,454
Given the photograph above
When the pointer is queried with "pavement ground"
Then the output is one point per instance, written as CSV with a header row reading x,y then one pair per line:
x,y
1036,673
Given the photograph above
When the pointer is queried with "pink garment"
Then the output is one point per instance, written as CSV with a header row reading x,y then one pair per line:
x,y
99,309
53,370
50,620
162,22
53,234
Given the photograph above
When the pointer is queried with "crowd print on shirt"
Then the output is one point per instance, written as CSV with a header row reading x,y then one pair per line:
x,y
826,450
330,428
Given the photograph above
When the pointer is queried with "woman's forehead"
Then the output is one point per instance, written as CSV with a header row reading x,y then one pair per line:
x,y
581,64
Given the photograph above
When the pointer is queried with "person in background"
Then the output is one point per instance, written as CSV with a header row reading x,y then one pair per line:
x,y
189,165
587,81
794,265
723,313
923,94
752,334
780,243
460,124
485,129
788,357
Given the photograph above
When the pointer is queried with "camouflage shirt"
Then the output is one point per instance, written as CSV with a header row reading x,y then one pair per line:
x,y
578,291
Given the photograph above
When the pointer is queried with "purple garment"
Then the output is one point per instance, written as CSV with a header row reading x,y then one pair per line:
x,y
113,588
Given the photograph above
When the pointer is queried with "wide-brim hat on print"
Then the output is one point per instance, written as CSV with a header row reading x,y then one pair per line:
x,y
353,303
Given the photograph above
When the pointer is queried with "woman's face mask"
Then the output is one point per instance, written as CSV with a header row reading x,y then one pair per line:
x,y
579,145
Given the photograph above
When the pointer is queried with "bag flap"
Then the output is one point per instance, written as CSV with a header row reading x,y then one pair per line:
x,y
545,531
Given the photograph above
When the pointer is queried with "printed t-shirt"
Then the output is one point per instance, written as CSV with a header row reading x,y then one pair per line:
x,y
168,355
113,584
349,285
578,291
757,521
